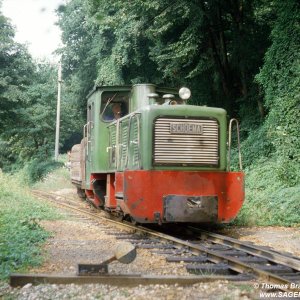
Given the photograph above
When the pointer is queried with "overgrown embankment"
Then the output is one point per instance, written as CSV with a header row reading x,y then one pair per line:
x,y
269,200
21,236
272,150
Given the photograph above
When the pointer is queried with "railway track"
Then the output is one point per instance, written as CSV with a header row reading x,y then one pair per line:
x,y
206,255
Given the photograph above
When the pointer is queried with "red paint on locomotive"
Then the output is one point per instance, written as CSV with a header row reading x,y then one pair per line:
x,y
144,191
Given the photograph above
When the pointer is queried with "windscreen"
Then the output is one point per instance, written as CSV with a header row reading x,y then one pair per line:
x,y
114,105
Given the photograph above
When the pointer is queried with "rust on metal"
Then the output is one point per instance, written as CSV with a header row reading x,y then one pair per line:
x,y
124,252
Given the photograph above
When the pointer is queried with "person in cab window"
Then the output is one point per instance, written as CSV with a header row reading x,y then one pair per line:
x,y
116,109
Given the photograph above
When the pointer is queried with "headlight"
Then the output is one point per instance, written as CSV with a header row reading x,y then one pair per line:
x,y
185,93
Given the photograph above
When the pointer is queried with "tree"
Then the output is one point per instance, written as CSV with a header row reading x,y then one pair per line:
x,y
16,69
79,54
33,134
28,93
215,47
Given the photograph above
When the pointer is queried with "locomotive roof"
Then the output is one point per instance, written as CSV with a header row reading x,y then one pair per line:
x,y
129,87
107,87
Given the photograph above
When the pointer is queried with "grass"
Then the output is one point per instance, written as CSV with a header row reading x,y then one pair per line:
x,y
21,236
269,200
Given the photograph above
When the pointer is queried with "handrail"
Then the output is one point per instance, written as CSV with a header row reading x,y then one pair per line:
x,y
129,142
85,133
117,144
84,130
139,141
229,143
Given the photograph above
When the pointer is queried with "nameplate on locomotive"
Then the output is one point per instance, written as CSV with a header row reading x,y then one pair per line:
x,y
186,128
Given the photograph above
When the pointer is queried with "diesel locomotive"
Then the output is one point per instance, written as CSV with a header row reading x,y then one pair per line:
x,y
149,156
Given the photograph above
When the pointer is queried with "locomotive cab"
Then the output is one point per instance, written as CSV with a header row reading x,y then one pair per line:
x,y
150,156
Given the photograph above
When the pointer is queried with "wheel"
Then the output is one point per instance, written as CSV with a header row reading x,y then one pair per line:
x,y
113,216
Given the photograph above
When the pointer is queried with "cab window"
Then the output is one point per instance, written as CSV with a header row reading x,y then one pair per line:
x,y
114,105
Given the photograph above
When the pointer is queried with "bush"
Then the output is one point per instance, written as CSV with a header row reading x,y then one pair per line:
x,y
37,169
57,179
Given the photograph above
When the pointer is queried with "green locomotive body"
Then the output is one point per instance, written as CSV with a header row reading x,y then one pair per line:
x,y
148,155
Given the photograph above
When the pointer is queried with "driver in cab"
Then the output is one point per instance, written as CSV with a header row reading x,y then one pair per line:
x,y
114,112
116,109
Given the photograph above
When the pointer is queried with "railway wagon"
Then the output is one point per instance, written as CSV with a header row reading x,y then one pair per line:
x,y
149,156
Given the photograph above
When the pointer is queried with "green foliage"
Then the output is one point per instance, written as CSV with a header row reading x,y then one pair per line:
x,y
37,169
54,180
21,239
268,200
79,34
272,151
28,93
20,233
215,47
16,69
280,78
33,133
256,146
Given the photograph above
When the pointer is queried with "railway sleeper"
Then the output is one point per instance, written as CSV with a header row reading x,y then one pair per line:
x,y
209,269
169,251
130,237
232,253
218,247
295,278
142,242
155,246
277,269
117,233
253,259
199,259
124,234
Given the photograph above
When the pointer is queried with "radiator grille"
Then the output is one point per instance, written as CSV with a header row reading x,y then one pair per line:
x,y
200,146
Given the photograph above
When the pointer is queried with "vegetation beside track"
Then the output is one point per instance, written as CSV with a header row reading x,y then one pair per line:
x,y
269,200
57,178
38,168
21,235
